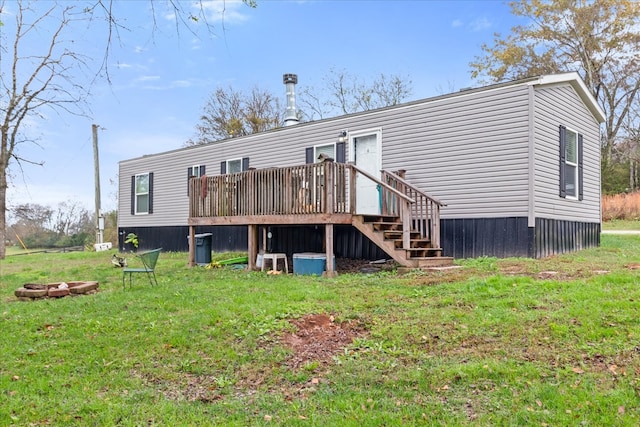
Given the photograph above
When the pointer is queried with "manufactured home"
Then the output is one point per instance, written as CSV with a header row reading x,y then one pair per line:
x,y
511,169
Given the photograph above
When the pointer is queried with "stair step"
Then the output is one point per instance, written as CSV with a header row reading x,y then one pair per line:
x,y
433,261
415,253
386,226
397,234
380,218
413,243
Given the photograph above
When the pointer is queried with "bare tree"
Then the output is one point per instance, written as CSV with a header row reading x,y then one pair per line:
x,y
344,93
229,113
40,68
37,80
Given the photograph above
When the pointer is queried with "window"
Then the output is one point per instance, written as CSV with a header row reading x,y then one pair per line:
x,y
570,164
335,150
142,194
197,171
234,165
194,171
328,150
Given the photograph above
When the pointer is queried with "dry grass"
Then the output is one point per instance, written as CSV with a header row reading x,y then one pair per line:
x,y
621,206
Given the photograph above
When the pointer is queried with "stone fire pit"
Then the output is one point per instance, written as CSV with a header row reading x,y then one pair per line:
x,y
32,291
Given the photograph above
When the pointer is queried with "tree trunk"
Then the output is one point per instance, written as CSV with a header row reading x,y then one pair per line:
x,y
3,212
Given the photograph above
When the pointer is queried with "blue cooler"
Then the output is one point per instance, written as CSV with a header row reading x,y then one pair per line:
x,y
310,263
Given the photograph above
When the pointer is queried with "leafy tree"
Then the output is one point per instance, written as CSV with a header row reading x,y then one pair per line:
x,y
344,93
598,39
69,224
41,71
229,113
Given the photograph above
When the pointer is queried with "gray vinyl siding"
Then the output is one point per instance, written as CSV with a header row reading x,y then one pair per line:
x,y
555,106
469,151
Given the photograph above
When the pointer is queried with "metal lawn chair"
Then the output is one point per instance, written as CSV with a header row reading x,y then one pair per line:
x,y
149,260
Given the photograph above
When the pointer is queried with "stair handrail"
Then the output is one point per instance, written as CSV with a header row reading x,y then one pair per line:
x,y
413,187
381,183
404,202
432,213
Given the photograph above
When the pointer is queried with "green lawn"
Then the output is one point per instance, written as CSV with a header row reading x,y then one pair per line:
x,y
551,342
620,224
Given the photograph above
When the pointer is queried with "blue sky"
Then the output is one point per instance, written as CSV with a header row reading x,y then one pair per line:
x,y
160,79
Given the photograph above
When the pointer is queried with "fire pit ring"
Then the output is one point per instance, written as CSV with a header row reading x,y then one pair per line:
x,y
31,291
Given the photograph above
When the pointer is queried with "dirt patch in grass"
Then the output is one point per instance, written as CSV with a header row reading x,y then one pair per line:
x,y
318,338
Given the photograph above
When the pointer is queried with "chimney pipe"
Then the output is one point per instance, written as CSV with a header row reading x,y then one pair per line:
x,y
290,81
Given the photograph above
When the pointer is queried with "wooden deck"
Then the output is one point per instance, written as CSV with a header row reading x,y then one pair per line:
x,y
321,194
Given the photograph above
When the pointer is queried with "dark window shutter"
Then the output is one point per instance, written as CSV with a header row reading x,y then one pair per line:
x,y
340,152
580,194
133,194
563,149
189,175
150,192
203,170
223,168
245,164
309,155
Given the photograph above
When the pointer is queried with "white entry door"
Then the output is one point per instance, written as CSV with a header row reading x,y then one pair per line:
x,y
366,152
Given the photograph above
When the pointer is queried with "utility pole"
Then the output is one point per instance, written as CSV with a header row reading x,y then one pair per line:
x,y
96,161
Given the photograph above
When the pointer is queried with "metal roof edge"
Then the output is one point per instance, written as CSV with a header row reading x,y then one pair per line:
x,y
574,79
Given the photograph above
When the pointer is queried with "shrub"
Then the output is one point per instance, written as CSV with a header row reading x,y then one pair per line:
x,y
621,206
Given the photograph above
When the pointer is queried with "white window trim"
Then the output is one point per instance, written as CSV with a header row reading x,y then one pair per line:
x,y
575,165
193,171
315,150
135,196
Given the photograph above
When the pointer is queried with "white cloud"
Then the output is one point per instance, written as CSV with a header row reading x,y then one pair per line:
x,y
227,11
147,78
181,83
457,23
49,194
480,24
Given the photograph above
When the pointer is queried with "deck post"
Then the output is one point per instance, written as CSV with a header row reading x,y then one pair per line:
x,y
253,246
435,225
192,246
352,191
406,225
328,241
329,189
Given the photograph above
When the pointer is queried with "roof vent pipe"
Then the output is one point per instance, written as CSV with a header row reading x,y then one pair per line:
x,y
290,81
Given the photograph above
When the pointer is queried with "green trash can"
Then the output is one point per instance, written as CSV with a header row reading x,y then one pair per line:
x,y
203,248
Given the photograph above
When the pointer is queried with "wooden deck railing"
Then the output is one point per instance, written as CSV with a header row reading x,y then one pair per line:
x,y
319,188
308,189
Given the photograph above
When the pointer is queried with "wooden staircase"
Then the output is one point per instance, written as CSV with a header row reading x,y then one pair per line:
x,y
387,233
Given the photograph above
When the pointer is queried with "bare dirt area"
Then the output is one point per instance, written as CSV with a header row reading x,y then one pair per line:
x,y
318,338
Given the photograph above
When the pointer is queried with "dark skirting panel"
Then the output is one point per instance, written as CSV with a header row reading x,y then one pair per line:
x,y
511,237
461,238
554,236
175,239
476,237
348,242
